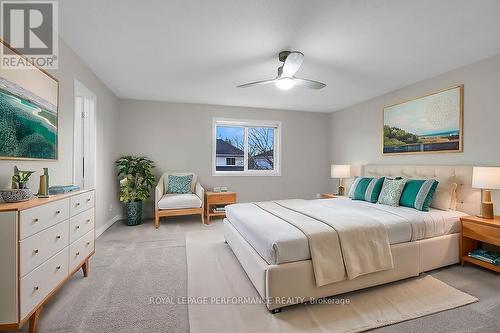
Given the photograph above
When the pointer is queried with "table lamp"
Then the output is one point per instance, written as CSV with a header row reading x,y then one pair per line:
x,y
487,179
340,171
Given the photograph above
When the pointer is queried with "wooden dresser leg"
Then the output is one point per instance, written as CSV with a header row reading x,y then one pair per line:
x,y
34,320
85,268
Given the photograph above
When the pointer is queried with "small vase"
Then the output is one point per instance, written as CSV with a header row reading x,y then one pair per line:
x,y
134,212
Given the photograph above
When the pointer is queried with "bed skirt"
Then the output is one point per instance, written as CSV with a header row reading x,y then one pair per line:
x,y
290,283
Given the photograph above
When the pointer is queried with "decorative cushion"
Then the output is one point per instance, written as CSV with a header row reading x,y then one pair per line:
x,y
179,201
179,184
444,196
177,173
391,191
418,194
366,189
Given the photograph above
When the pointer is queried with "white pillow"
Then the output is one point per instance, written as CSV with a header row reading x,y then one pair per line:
x,y
445,196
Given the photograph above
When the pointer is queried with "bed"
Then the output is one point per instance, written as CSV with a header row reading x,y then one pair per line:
x,y
277,257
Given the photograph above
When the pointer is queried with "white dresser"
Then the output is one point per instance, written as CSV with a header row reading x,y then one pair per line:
x,y
42,243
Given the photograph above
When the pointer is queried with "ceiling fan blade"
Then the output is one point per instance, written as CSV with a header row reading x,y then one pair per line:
x,y
308,83
256,83
292,64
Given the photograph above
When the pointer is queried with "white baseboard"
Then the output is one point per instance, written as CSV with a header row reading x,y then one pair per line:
x,y
108,224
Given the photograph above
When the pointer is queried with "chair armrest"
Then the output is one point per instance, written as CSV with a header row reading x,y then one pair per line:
x,y
159,192
200,192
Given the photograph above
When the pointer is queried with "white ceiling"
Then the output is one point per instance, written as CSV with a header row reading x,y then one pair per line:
x,y
197,51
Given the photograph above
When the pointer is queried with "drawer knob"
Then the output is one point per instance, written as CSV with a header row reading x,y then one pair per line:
x,y
88,243
58,267
88,220
35,251
77,204
78,253
36,288
88,200
58,237
35,220
58,212
77,227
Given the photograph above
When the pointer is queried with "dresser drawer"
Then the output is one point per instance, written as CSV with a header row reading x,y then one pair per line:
x,y
39,247
80,249
40,282
80,224
481,232
38,218
81,202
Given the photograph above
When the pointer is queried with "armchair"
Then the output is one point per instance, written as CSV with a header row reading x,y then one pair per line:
x,y
173,204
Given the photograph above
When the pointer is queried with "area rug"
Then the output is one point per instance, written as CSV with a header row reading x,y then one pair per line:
x,y
221,298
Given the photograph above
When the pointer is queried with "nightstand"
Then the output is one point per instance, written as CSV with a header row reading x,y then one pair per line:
x,y
475,230
217,199
331,196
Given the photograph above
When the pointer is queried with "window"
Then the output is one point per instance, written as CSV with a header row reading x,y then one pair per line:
x,y
246,147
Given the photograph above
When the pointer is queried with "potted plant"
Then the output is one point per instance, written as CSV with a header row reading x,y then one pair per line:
x,y
19,190
136,181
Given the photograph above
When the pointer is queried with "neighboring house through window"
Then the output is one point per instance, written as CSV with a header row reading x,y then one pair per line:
x,y
246,147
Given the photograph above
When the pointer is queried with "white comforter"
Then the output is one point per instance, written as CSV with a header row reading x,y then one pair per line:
x,y
279,242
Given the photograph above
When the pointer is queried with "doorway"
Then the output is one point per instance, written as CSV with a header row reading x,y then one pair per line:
x,y
84,150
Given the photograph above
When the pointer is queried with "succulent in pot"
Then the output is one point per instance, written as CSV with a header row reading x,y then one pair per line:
x,y
19,191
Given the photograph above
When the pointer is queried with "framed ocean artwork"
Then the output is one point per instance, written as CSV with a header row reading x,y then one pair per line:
x,y
28,113
428,124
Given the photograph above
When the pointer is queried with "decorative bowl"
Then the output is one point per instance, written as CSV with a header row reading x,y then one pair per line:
x,y
16,195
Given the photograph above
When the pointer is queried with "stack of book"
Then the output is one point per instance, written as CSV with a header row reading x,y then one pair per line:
x,y
490,257
219,209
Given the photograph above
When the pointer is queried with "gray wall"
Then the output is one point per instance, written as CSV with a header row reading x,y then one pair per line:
x,y
61,171
179,137
356,131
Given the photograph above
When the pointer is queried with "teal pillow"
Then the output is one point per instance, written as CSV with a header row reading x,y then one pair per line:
x,y
179,184
418,193
366,189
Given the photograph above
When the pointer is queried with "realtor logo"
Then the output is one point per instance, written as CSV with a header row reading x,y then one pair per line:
x,y
29,27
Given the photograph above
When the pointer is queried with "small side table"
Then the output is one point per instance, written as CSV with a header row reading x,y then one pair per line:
x,y
473,231
213,199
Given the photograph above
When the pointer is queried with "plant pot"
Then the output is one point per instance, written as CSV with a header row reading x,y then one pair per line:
x,y
134,212
16,195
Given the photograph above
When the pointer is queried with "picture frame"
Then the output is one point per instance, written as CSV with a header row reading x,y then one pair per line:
x,y
29,112
432,123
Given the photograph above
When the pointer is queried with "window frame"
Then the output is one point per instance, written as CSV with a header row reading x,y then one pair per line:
x,y
247,123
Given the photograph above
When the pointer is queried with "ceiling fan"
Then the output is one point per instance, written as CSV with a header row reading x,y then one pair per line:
x,y
292,60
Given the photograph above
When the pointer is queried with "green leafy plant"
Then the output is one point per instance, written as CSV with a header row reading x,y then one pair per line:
x,y
20,178
136,178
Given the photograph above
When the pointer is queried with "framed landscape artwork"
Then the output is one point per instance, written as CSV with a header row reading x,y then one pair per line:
x,y
28,113
429,124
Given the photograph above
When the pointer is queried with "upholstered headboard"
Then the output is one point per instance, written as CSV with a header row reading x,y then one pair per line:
x,y
468,199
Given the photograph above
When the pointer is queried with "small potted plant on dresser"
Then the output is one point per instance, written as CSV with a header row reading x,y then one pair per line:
x,y
136,181
20,190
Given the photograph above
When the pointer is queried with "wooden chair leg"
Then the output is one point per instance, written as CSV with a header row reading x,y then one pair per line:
x,y
34,320
202,217
85,268
157,221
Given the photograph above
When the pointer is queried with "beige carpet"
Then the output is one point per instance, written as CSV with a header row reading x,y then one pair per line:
x,y
217,286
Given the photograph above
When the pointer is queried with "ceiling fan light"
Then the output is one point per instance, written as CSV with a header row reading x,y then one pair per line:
x,y
285,83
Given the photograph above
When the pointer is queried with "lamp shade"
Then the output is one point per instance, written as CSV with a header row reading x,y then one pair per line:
x,y
340,171
486,178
